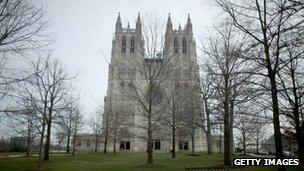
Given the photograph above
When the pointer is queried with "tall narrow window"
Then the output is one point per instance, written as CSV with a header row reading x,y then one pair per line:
x,y
184,44
123,44
175,45
132,45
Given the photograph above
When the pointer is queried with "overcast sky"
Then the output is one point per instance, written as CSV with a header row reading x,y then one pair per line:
x,y
84,31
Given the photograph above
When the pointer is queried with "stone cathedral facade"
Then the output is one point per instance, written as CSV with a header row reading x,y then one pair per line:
x,y
128,44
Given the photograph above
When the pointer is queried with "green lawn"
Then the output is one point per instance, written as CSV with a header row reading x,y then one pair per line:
x,y
118,162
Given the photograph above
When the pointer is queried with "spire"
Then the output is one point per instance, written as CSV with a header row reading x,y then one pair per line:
x,y
189,20
138,18
189,25
118,24
138,24
169,24
128,26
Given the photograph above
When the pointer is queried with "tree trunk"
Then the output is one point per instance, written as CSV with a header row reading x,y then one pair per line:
x,y
74,142
244,142
300,141
28,147
296,114
299,135
231,121
105,144
276,117
29,141
208,132
150,142
96,143
68,143
220,144
114,142
173,143
244,148
47,142
41,145
257,143
192,141
227,128
227,159
106,135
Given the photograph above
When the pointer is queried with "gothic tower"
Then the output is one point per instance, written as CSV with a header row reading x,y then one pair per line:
x,y
180,45
127,46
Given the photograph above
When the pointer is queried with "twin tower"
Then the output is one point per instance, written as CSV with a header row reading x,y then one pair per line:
x,y
128,41
129,44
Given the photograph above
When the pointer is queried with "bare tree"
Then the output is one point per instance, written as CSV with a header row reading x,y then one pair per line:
x,y
21,25
66,121
265,21
47,90
118,125
60,137
191,113
249,123
95,122
22,29
259,134
76,127
105,123
292,86
228,69
245,132
207,91
23,119
175,97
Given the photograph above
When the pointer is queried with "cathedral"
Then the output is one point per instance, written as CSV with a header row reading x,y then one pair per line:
x,y
123,122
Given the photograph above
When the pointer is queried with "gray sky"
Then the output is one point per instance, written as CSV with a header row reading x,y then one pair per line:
x,y
84,30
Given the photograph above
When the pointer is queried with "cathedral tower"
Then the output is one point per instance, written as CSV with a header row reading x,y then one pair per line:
x,y
128,46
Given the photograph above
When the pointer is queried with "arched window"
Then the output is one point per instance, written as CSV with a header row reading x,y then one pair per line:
x,y
123,44
184,44
132,45
175,45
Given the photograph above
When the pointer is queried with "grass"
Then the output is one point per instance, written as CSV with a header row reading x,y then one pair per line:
x,y
119,162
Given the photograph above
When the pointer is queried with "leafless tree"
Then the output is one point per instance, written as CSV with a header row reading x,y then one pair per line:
x,y
67,120
60,137
22,29
245,132
207,90
21,25
95,122
292,86
249,124
259,134
77,125
106,123
23,120
176,99
117,125
48,91
265,21
192,113
224,54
